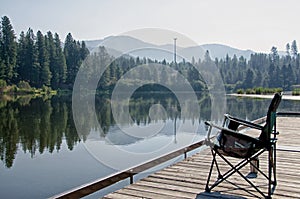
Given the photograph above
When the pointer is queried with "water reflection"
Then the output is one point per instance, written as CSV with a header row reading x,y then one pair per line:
x,y
36,125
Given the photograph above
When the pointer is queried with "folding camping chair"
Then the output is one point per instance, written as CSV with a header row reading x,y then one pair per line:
x,y
230,141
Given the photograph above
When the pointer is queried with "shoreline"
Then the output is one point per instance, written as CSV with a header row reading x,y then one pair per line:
x,y
267,96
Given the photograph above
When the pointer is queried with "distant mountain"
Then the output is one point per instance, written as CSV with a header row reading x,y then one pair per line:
x,y
117,45
220,51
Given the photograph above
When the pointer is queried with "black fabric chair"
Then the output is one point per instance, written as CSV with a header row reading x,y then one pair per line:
x,y
230,141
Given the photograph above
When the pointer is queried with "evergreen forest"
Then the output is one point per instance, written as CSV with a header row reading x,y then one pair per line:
x,y
38,60
43,61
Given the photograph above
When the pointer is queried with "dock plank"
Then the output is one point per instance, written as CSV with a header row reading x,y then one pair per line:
x,y
187,179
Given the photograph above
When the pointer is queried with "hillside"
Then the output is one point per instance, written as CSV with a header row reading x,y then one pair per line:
x,y
136,47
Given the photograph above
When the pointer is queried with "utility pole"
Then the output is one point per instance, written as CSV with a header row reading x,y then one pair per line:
x,y
175,50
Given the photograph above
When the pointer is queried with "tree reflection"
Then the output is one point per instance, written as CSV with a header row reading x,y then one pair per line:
x,y
35,124
41,124
9,135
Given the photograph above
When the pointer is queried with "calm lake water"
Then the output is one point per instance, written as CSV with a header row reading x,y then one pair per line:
x,y
43,155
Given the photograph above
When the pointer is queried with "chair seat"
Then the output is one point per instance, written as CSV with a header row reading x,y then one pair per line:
x,y
237,145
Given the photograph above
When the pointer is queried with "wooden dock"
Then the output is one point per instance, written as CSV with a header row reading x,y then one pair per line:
x,y
187,179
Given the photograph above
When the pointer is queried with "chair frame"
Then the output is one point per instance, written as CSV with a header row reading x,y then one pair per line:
x,y
269,146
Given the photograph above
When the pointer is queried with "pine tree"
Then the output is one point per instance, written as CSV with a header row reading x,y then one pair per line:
x,y
242,64
43,60
34,76
249,79
274,67
287,49
207,56
32,56
84,52
21,56
8,50
71,56
258,80
49,43
60,61
287,77
103,59
2,67
28,66
294,49
287,59
57,62
296,67
74,53
274,55
193,61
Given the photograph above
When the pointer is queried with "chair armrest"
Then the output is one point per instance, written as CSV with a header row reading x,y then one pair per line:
x,y
211,126
227,131
244,122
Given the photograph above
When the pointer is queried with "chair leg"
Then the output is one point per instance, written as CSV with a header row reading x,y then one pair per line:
x,y
274,166
226,175
270,171
220,176
237,170
207,189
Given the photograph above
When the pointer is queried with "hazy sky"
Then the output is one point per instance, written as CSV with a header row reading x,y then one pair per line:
x,y
244,24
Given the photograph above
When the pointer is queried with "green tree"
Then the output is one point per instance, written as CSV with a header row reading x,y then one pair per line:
x,y
84,52
274,67
8,50
249,79
21,56
28,66
60,62
193,61
95,67
207,56
72,59
43,60
294,49
57,62
287,49
288,77
50,46
32,59
242,64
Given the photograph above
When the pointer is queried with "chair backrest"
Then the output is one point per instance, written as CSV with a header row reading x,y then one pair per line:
x,y
271,118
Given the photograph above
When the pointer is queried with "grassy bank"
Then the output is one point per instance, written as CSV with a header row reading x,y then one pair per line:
x,y
23,88
259,91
